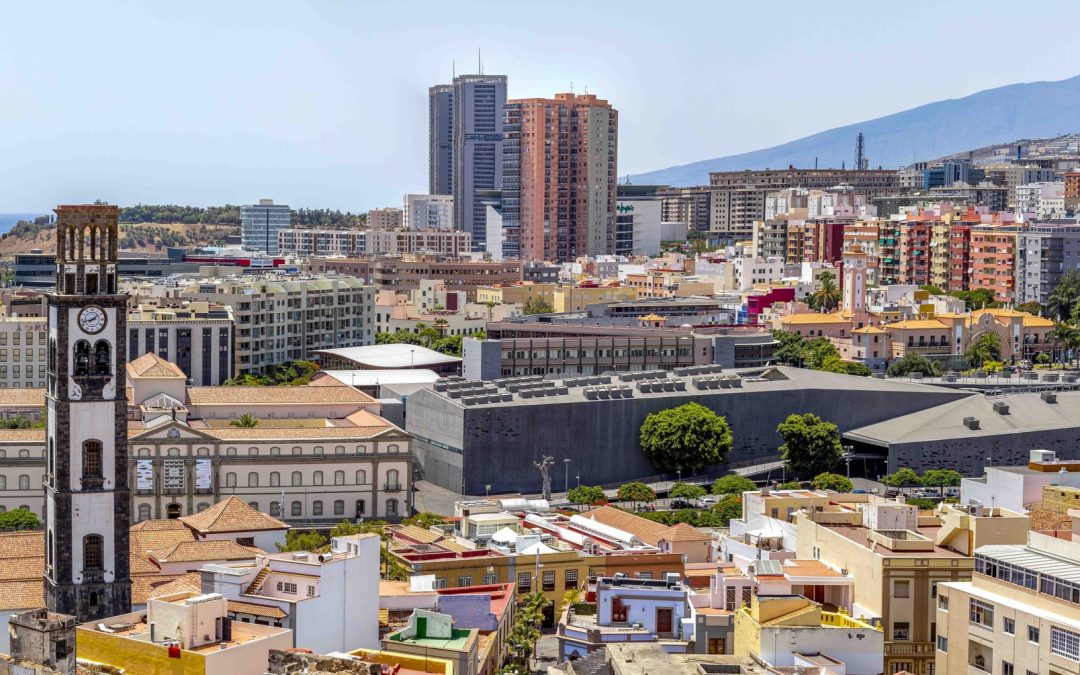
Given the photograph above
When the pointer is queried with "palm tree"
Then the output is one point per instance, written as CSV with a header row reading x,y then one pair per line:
x,y
1068,336
827,296
245,421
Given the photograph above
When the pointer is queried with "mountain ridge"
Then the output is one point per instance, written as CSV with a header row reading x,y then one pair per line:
x,y
1014,111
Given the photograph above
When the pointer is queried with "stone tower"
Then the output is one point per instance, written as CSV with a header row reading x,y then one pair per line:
x,y
87,503
854,287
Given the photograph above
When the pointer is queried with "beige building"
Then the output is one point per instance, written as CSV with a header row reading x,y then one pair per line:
x,y
1018,615
196,336
22,352
387,218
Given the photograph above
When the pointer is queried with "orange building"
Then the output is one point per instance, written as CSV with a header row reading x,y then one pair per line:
x,y
993,259
563,152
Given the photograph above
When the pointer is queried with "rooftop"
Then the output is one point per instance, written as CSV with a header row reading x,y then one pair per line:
x,y
391,356
232,514
276,395
152,365
457,640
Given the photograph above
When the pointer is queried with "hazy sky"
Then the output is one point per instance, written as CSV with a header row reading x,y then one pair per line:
x,y
324,104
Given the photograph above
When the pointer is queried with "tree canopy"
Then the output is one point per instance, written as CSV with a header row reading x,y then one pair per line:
x,y
732,484
290,373
833,481
816,353
588,495
19,519
302,540
538,306
686,491
811,445
245,421
827,295
941,478
635,492
985,348
913,362
687,438
1062,302
425,519
902,477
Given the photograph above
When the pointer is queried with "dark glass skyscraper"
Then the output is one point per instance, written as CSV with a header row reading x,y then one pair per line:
x,y
441,139
478,149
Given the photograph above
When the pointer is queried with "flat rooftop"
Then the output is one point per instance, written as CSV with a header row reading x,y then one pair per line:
x,y
859,535
457,640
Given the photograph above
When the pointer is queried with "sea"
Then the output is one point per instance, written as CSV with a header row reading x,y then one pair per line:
x,y
8,220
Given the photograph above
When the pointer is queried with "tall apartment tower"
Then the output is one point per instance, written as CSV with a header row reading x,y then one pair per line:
x,y
260,223
87,500
479,101
560,176
441,139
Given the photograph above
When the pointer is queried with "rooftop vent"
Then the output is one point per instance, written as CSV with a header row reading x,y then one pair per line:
x,y
1048,396
971,422
1001,407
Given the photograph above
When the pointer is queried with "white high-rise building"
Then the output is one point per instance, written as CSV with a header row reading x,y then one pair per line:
x,y
259,225
429,212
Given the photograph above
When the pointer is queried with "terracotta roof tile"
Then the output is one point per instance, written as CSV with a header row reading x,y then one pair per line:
x,y
24,594
295,433
27,397
22,561
232,515
256,609
276,395
181,583
645,530
204,550
684,532
143,586
22,435
152,365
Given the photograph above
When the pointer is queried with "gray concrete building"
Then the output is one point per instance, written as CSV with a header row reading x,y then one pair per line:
x,y
469,435
441,139
477,155
1045,252
259,225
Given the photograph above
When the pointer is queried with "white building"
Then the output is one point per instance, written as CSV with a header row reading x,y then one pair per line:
x,y
304,243
1040,199
22,352
196,336
1015,488
329,600
429,212
260,223
747,272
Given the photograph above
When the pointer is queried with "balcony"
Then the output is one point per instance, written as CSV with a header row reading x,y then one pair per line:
x,y
915,649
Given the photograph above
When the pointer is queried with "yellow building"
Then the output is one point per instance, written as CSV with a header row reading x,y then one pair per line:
x,y
1019,613
778,629
516,294
577,298
181,634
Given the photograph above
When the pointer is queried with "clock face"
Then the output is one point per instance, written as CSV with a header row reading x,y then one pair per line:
x,y
92,320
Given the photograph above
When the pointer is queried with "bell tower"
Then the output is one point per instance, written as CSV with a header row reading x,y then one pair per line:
x,y
854,299
87,502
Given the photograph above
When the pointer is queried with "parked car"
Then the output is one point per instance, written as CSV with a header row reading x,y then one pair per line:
x,y
952,491
925,493
1025,365
707,502
681,504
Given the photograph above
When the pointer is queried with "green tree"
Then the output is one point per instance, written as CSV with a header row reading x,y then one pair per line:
x,y
811,445
687,438
1063,299
913,362
941,479
538,306
589,495
922,503
19,519
686,491
571,597
732,484
833,481
976,298
833,364
790,349
817,351
425,519
17,422
986,347
729,508
933,290
1033,308
245,421
827,295
302,540
902,477
1042,358
635,492
1066,336
790,485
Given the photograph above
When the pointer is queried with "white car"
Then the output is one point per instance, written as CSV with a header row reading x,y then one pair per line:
x,y
707,502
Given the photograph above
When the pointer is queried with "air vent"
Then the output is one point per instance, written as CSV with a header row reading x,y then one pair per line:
x,y
971,422
1001,407
1048,396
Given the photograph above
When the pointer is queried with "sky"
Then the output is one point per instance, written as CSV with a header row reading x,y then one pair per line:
x,y
324,104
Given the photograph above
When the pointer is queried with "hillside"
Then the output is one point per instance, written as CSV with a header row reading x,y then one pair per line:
x,y
1017,111
136,237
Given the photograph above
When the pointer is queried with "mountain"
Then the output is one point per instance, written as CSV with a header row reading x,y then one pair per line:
x,y
1015,111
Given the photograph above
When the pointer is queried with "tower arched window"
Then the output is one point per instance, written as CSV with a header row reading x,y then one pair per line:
x,y
24,482
82,358
317,478
102,357
92,469
93,552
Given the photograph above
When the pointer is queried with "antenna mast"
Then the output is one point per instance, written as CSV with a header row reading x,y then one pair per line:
x,y
860,155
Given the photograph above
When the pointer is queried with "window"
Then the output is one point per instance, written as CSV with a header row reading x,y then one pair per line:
x,y
717,646
311,591
297,450
1065,643
339,478
942,643
440,582
339,507
524,582
275,509
644,575
230,480
173,472
82,359
93,552
254,505
1033,634
275,479
297,478
549,580
253,479
464,581
316,508
1008,626
901,630
24,482
392,480
230,452
92,468
275,451
316,478
901,589
491,579
570,580
102,358
318,450
361,477
943,603
297,509
981,613
1007,668
144,512
391,507
286,587
339,450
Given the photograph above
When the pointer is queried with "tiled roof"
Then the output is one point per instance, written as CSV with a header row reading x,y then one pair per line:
x,y
154,535
22,435
204,549
255,609
22,560
363,418
813,317
294,433
232,515
276,395
144,586
182,583
16,397
684,532
917,324
152,365
645,530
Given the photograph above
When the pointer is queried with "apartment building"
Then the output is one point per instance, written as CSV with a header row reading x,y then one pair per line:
x,y
770,238
823,240
689,205
428,212
1038,199
994,254
1072,189
303,243
196,336
22,352
282,318
448,243
386,218
260,223
564,152
739,197
1019,612
1044,254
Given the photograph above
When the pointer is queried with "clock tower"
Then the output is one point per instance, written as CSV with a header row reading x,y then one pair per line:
x,y
855,260
87,502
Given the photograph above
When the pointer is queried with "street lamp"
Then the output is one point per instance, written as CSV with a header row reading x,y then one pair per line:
x,y
578,477
566,475
848,454
487,490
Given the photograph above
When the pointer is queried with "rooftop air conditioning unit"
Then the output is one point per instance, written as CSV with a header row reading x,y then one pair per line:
x,y
971,422
1001,407
1048,397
